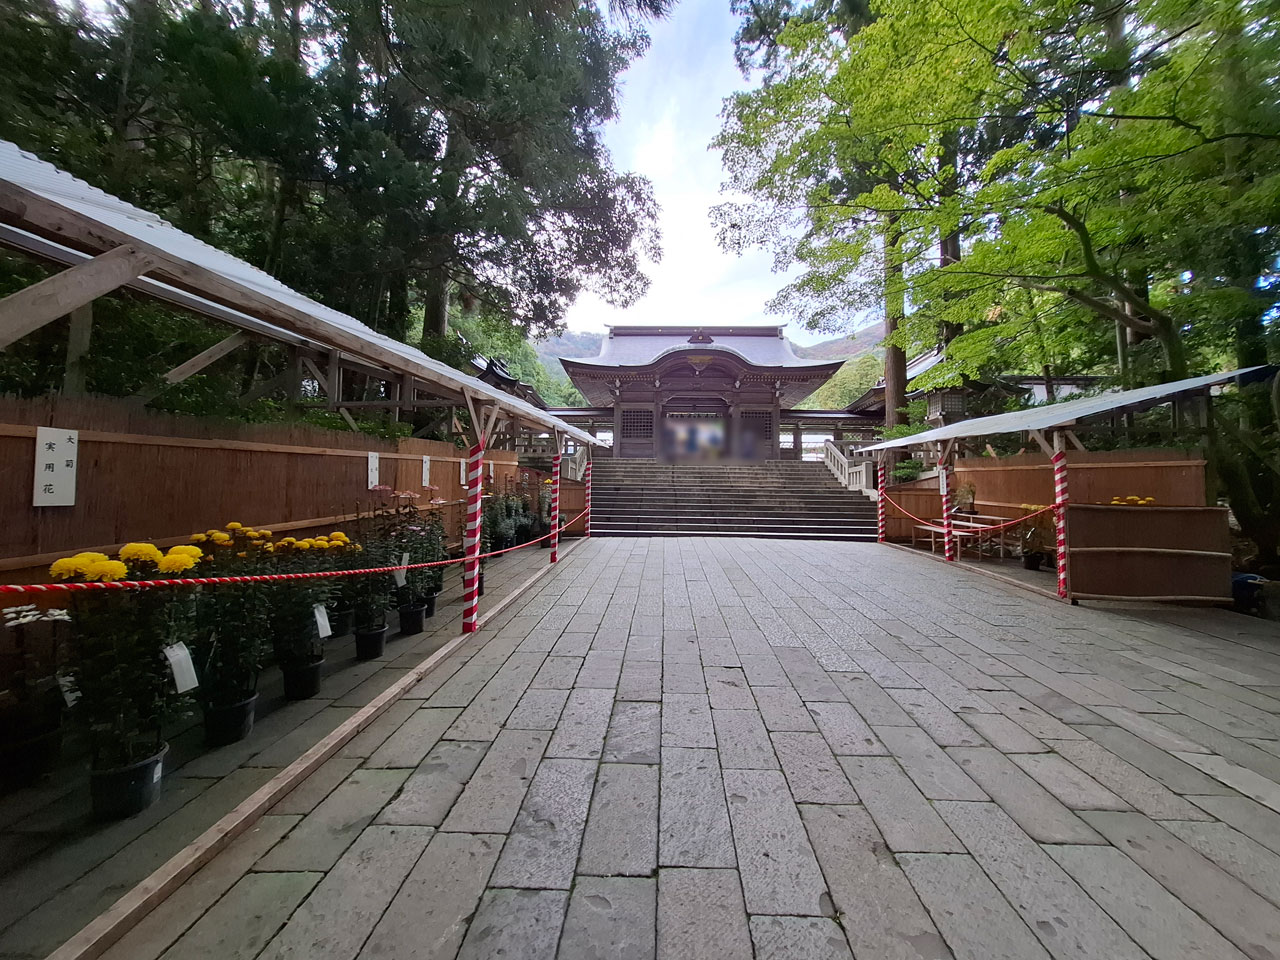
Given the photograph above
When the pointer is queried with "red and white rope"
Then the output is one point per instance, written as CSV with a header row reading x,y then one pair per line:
x,y
1060,518
945,477
471,540
555,508
882,521
586,477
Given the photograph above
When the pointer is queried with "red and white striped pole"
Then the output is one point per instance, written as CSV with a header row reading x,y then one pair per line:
x,y
471,540
586,477
882,521
555,508
948,530
1060,517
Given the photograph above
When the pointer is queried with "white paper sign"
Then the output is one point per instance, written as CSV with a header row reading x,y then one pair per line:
x,y
57,455
490,469
401,575
322,621
462,472
184,671
373,470
426,471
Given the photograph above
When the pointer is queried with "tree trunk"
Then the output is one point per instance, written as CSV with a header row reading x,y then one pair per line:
x,y
895,308
949,246
435,307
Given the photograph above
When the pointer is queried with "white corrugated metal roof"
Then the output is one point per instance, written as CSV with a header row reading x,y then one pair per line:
x,y
1062,414
57,186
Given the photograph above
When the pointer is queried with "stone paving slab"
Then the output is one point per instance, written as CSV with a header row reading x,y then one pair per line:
x,y
702,748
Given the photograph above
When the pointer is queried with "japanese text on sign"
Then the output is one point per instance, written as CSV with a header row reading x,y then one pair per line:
x,y
57,455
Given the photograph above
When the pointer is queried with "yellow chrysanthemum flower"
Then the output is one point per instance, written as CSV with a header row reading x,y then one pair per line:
x,y
141,551
106,570
269,547
199,537
68,567
338,535
337,545
302,545
265,534
290,540
234,525
90,557
186,549
176,563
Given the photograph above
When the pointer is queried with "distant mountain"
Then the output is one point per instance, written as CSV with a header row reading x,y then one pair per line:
x,y
866,340
568,344
573,345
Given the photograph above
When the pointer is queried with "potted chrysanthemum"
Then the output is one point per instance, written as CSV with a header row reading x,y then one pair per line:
x,y
233,628
119,676
299,648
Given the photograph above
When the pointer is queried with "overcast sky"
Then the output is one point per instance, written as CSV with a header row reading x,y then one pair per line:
x,y
670,111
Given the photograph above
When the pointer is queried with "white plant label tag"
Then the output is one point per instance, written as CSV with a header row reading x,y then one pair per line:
x,y
462,471
426,471
57,453
402,575
373,470
322,621
184,671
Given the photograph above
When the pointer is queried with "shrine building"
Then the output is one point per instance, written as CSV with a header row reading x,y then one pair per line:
x,y
684,392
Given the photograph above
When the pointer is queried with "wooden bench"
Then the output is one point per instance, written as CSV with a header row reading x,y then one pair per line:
x,y
934,529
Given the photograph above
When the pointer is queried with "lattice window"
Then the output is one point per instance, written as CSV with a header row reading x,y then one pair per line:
x,y
637,424
759,422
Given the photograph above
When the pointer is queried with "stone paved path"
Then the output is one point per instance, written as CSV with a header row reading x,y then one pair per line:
x,y
706,748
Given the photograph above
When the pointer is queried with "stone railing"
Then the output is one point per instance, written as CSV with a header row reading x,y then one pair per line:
x,y
853,473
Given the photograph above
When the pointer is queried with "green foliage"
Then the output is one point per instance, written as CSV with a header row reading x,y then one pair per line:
x,y
388,160
1027,179
851,381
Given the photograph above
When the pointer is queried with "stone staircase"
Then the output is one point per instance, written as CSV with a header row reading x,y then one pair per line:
x,y
777,498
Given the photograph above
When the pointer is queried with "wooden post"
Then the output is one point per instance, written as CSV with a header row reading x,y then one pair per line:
x,y
471,538
1059,459
948,531
882,522
78,336
586,479
555,504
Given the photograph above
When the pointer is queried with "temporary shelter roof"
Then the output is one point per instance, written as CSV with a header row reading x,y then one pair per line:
x,y
1064,414
41,200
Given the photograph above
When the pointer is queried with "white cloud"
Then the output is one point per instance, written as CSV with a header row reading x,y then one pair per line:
x,y
670,112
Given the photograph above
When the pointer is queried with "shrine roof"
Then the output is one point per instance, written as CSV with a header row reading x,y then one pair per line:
x,y
640,346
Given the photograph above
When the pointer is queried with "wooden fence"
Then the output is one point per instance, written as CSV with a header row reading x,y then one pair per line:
x,y
157,477
1177,549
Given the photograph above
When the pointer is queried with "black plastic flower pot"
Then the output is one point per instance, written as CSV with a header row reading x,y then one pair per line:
x,y
480,586
371,643
430,609
126,791
412,617
226,723
1032,561
341,622
302,681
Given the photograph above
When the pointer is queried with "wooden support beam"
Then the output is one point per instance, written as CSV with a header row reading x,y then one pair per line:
x,y
351,421
310,366
1039,438
41,303
193,366
335,382
78,336
204,358
263,387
